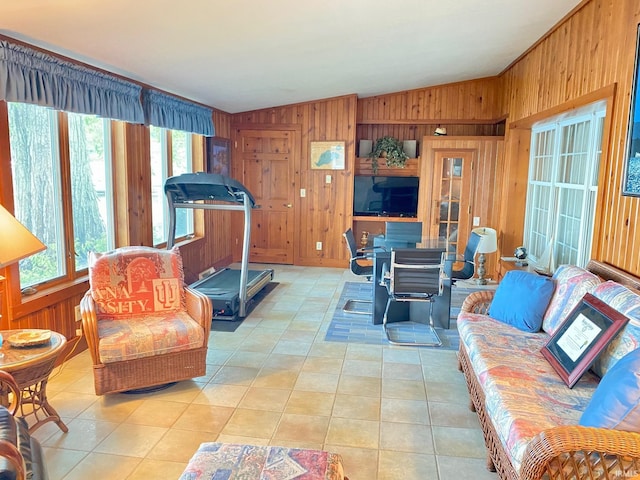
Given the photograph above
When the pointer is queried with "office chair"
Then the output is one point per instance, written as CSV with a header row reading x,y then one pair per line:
x,y
415,275
402,234
468,259
357,255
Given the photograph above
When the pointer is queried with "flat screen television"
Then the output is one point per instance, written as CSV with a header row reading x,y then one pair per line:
x,y
385,196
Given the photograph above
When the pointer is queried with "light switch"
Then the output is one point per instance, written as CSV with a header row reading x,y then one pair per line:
x,y
476,221
303,192
327,179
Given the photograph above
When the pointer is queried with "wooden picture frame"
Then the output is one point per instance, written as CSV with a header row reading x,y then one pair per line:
x,y
631,180
587,331
218,155
327,155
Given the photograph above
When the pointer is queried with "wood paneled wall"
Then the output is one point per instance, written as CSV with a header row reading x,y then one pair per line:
x,y
325,212
475,101
592,50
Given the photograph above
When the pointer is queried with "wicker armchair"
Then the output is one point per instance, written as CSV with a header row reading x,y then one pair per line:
x,y
143,326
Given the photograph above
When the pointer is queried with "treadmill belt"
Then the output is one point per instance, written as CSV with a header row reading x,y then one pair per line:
x,y
224,282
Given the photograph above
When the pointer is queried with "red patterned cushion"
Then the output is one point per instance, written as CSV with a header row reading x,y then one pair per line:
x,y
133,281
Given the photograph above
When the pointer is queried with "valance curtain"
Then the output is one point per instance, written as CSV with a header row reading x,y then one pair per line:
x,y
31,76
166,111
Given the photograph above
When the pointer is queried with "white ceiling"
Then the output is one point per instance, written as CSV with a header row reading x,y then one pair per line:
x,y
240,55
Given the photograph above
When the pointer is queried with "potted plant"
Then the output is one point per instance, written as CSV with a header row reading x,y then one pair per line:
x,y
390,149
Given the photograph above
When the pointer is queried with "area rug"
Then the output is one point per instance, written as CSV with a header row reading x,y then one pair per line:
x,y
230,326
359,328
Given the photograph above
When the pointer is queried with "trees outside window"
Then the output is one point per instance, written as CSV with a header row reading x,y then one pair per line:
x,y
171,155
61,173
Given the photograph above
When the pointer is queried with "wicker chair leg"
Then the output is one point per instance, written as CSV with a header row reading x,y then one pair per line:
x,y
490,465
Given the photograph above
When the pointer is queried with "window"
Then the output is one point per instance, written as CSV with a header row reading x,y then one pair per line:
x,y
166,162
39,187
562,187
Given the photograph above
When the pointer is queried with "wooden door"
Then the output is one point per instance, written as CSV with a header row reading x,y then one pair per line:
x,y
452,186
267,161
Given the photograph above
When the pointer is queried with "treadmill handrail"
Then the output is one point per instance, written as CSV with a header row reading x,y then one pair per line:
x,y
183,189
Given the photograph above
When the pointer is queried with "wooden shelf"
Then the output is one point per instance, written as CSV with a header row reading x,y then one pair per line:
x,y
432,121
363,167
365,218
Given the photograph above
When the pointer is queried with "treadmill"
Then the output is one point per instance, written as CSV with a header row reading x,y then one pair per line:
x,y
230,290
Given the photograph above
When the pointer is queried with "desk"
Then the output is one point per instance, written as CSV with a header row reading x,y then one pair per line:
x,y
31,367
418,311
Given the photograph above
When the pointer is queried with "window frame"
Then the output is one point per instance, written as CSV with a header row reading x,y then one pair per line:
x,y
596,115
167,153
63,198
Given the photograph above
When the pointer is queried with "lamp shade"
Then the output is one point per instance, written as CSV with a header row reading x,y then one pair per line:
x,y
488,240
16,242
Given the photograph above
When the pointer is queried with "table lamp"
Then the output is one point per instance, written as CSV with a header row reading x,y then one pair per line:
x,y
16,243
488,244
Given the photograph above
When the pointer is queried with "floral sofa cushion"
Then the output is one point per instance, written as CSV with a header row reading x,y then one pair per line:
x,y
128,339
628,303
227,461
134,281
523,393
571,284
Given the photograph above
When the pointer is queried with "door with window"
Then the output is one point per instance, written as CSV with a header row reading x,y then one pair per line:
x,y
451,201
267,161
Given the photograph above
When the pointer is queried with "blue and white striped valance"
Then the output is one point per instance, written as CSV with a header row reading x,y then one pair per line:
x,y
166,111
31,76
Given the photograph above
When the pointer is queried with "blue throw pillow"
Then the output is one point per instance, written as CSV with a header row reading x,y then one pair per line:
x,y
616,401
521,300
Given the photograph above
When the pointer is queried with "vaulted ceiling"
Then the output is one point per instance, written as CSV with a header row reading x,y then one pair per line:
x,y
243,55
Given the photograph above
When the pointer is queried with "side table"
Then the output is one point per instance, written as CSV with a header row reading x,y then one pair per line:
x,y
461,289
31,366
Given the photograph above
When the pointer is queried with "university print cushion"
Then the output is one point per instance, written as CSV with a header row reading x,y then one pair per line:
x,y
132,281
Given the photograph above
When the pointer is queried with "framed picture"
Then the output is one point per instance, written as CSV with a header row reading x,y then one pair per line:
x,y
631,179
327,155
218,155
582,336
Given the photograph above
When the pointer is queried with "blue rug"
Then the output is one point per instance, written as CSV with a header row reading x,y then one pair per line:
x,y
359,328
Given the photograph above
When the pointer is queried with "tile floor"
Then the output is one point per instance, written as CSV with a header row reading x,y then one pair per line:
x,y
391,412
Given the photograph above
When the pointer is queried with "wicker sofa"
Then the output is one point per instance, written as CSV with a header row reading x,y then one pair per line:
x,y
21,456
529,417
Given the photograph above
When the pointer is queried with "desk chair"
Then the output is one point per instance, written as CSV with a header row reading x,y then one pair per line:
x,y
415,275
402,234
468,259
358,255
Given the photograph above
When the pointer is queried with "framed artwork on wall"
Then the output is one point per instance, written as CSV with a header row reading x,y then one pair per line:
x,y
631,185
218,155
582,336
327,155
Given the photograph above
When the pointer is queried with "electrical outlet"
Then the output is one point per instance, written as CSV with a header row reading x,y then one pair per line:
x,y
327,179
318,245
78,314
78,332
303,192
476,221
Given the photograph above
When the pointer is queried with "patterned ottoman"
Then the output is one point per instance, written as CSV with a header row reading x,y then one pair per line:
x,y
228,461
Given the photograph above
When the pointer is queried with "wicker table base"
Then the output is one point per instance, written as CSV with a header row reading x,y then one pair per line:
x,y
31,367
